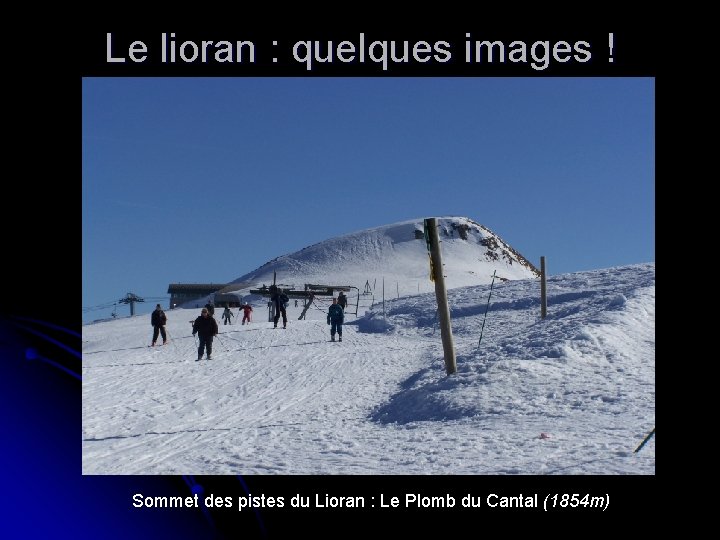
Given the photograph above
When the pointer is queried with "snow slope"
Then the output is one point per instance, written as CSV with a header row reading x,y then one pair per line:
x,y
274,401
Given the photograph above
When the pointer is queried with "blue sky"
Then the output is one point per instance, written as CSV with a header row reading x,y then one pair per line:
x,y
205,179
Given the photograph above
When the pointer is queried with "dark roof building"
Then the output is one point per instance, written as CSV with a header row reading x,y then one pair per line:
x,y
181,293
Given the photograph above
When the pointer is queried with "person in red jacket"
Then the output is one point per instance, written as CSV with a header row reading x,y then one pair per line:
x,y
247,310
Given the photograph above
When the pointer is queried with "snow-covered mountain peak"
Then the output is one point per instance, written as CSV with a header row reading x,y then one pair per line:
x,y
396,254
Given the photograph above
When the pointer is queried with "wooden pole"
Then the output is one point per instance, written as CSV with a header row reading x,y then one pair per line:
x,y
543,289
271,306
487,307
383,296
441,295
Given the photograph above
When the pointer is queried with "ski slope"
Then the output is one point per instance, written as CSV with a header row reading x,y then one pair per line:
x,y
571,394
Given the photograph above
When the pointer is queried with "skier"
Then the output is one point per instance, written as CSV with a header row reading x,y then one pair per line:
x,y
206,328
227,314
158,320
211,308
280,299
247,310
335,319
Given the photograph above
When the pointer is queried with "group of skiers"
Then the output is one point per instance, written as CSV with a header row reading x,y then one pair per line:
x,y
206,327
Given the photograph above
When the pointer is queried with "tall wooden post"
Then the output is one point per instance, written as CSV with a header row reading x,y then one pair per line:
x,y
441,295
543,289
271,304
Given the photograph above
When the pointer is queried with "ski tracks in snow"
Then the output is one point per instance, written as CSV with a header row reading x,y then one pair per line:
x,y
258,378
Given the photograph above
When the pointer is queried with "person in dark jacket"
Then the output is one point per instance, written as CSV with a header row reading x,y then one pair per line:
x,y
342,300
335,319
206,328
158,320
211,308
280,299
